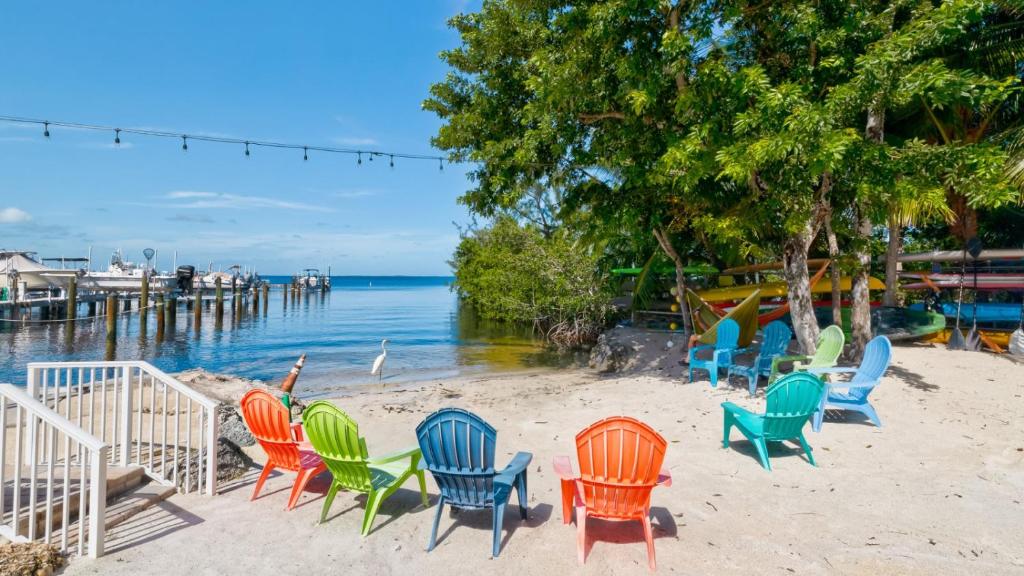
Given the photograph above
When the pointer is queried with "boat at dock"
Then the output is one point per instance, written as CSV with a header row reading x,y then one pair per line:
x,y
311,279
124,276
236,277
25,270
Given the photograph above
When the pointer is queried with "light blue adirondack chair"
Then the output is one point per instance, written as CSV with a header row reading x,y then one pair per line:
x,y
458,449
791,401
724,348
877,355
774,341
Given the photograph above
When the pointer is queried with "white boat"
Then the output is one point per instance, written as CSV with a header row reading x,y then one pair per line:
x,y
25,269
243,280
124,276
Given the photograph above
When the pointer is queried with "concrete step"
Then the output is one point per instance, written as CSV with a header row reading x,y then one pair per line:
x,y
134,501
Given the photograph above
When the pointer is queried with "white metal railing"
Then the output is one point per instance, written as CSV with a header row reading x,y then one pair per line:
x,y
147,417
32,463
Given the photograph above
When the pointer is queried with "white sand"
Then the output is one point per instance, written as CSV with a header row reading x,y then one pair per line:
x,y
938,489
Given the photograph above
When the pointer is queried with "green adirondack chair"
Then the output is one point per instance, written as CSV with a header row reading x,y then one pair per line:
x,y
830,346
790,404
335,437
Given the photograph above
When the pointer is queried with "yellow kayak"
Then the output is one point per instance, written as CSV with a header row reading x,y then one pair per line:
x,y
778,289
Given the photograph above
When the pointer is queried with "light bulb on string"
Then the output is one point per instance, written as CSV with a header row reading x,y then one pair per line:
x,y
359,158
117,136
247,149
392,162
305,153
46,129
372,154
440,164
184,143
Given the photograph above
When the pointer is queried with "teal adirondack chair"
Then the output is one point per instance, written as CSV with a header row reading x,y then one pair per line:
x,y
723,350
335,437
826,354
877,355
790,404
774,340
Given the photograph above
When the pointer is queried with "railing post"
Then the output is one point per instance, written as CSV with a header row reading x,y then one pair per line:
x,y
97,502
31,384
211,452
126,415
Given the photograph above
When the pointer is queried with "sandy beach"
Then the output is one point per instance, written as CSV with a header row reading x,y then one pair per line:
x,y
938,489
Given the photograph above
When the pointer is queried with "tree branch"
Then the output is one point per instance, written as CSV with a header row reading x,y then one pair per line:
x,y
599,116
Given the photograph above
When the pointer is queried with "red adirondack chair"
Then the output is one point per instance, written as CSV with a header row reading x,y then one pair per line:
x,y
620,464
267,419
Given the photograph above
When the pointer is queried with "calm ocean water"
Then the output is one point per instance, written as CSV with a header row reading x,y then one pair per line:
x,y
429,337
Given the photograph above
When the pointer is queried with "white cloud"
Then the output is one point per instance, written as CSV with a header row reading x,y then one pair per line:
x,y
354,141
14,215
217,200
358,193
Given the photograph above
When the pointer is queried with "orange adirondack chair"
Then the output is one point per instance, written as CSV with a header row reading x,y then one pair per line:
x,y
268,420
620,463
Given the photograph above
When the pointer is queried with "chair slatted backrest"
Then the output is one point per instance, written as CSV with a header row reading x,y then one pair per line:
x,y
728,334
620,458
776,340
458,449
335,437
829,347
877,355
270,423
791,400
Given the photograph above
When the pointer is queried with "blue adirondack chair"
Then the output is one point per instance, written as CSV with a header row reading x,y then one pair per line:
x,y
790,403
458,450
724,348
774,342
877,355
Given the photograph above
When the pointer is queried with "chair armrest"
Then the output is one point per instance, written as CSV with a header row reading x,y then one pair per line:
x,y
694,349
779,359
519,463
730,407
852,385
664,478
413,453
563,467
297,434
831,370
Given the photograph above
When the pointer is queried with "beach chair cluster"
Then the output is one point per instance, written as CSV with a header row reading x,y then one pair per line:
x,y
803,394
619,465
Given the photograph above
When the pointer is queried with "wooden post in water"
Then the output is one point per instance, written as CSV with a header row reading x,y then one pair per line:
x,y
159,316
144,306
72,310
197,308
255,300
219,297
236,299
266,297
111,317
172,312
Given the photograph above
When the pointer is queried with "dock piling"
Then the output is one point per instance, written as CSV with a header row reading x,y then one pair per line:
x,y
72,307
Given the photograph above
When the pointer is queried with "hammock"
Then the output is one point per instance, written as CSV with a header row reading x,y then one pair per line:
x,y
745,314
784,309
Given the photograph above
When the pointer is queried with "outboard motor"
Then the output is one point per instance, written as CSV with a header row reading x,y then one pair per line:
x,y
185,274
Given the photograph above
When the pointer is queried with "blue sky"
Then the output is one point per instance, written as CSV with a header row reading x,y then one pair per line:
x,y
347,74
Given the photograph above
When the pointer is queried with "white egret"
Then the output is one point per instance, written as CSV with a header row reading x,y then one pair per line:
x,y
378,364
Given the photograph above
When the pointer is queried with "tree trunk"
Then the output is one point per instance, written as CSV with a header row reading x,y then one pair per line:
x,y
860,307
684,308
833,254
892,265
801,307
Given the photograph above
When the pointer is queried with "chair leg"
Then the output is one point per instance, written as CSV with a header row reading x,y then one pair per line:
x,y
423,488
521,492
807,449
649,536
372,505
301,479
581,533
263,478
819,416
437,520
713,375
331,493
752,384
869,411
729,421
762,451
567,498
497,520
689,378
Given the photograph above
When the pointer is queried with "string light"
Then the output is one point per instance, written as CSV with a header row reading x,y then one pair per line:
x,y
359,158
392,162
184,143
305,153
117,136
46,129
247,149
440,164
